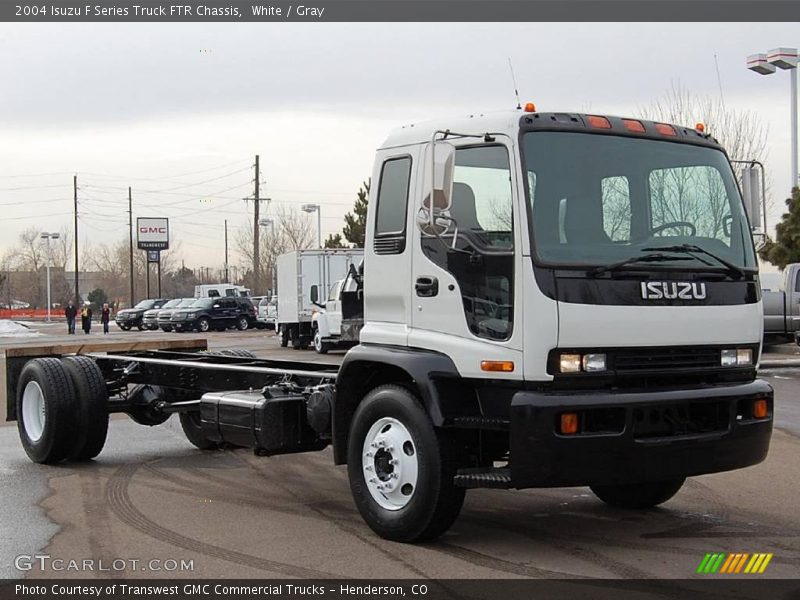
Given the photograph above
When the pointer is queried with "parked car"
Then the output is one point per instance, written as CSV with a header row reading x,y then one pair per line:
x,y
257,300
150,317
267,312
206,314
129,318
166,311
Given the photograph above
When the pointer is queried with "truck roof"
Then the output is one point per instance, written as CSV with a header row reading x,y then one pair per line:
x,y
511,122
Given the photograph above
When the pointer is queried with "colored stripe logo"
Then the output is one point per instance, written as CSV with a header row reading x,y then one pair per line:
x,y
737,562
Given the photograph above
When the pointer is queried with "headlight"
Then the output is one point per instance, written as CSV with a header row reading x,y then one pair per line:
x,y
736,357
575,363
570,363
594,362
191,315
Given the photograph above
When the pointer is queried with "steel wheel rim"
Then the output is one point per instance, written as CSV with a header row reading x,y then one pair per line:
x,y
204,325
317,341
389,463
34,415
243,323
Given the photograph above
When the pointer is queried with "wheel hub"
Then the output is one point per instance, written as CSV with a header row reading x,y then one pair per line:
x,y
389,463
33,411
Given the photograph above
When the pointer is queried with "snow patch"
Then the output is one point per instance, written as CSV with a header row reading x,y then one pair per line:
x,y
15,329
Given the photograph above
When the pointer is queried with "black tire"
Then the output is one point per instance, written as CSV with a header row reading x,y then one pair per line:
x,y
203,325
435,502
190,423
638,495
284,337
242,323
166,328
49,380
125,327
140,327
92,399
320,346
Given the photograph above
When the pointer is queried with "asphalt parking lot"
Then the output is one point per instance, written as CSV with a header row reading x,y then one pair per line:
x,y
151,498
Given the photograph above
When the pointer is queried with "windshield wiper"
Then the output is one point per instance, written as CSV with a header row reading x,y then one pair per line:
x,y
692,249
654,257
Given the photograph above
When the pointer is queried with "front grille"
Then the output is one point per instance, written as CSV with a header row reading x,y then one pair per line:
x,y
660,359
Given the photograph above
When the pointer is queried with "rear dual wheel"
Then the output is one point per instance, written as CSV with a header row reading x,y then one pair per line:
x,y
62,410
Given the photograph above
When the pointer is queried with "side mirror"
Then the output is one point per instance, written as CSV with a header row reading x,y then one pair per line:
x,y
751,194
440,161
314,293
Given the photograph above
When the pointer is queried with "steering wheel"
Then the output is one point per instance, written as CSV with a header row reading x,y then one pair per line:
x,y
670,225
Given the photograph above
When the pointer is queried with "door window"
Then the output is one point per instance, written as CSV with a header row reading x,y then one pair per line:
x,y
392,204
482,257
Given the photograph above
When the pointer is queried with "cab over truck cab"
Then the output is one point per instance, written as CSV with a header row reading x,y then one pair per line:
x,y
339,323
551,300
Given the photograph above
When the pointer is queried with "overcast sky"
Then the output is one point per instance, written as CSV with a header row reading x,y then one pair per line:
x,y
166,107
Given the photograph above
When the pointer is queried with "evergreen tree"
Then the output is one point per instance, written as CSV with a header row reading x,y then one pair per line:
x,y
786,247
334,241
356,222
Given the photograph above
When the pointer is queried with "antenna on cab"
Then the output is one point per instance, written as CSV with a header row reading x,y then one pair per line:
x,y
514,82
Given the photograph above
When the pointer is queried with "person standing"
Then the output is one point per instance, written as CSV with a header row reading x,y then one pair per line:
x,y
70,311
86,318
105,316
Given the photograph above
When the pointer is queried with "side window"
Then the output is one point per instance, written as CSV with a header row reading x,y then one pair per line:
x,y
334,292
797,282
392,204
616,196
213,294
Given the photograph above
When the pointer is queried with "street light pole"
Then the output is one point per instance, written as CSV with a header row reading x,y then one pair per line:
x,y
785,59
48,237
309,208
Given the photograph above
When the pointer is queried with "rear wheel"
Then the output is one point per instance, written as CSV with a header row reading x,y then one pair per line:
x,y
92,401
125,327
242,323
46,410
638,495
284,333
193,429
401,468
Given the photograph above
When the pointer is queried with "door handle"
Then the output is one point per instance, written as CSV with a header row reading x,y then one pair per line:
x,y
427,287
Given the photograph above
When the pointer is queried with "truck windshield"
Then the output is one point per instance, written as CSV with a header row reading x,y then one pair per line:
x,y
603,199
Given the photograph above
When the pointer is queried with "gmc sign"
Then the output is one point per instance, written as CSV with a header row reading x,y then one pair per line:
x,y
152,233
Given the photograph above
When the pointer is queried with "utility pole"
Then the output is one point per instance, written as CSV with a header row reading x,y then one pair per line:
x,y
130,235
75,197
256,236
226,250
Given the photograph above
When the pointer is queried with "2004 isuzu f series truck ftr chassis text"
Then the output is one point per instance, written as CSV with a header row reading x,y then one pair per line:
x,y
549,300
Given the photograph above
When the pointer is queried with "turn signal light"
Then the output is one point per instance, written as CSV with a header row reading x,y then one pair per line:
x,y
665,129
599,122
569,423
633,125
760,409
503,366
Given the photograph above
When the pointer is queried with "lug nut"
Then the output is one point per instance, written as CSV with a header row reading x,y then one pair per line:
x,y
373,480
368,468
395,476
382,443
369,455
374,445
393,461
380,487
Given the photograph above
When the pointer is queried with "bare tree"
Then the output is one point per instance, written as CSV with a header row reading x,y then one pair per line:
x,y
291,230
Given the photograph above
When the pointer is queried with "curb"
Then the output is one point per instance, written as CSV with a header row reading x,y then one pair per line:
x,y
779,364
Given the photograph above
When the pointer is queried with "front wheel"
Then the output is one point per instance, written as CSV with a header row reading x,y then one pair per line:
x,y
401,469
203,325
320,346
638,495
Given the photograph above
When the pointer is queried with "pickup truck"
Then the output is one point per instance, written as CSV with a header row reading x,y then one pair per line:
x,y
782,307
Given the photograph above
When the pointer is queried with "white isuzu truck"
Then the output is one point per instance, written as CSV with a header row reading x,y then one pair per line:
x,y
551,299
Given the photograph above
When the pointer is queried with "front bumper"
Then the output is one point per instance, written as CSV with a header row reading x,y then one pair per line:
x,y
636,437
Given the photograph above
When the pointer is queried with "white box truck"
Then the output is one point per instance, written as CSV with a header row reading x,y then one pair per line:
x,y
298,273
